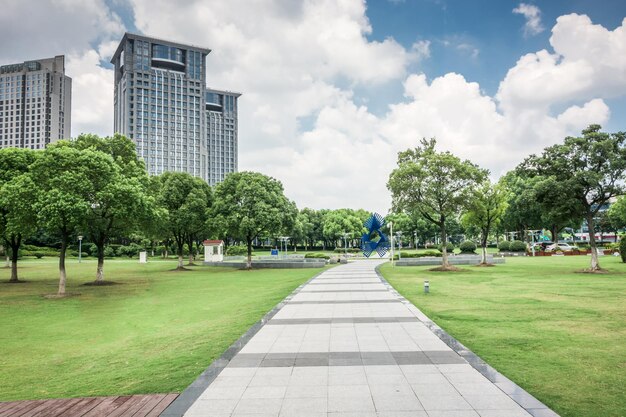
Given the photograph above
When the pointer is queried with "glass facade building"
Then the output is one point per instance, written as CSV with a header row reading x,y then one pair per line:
x,y
35,103
160,103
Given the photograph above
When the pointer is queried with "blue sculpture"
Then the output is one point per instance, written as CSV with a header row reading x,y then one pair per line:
x,y
375,239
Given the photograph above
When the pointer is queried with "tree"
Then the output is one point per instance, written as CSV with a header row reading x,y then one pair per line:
x,y
523,211
121,205
341,223
67,179
485,210
617,213
590,169
185,201
17,215
435,185
250,204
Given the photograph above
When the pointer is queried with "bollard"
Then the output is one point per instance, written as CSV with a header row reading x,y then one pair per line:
x,y
426,287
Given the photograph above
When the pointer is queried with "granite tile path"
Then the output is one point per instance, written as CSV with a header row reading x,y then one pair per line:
x,y
348,345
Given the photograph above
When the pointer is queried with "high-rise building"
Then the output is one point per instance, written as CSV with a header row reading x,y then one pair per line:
x,y
35,103
221,122
160,103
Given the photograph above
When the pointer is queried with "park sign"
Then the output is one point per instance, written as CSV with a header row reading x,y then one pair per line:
x,y
374,239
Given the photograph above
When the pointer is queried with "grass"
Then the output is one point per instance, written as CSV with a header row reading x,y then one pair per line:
x,y
153,333
559,334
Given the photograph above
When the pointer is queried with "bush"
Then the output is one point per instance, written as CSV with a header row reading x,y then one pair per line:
x,y
622,249
517,246
38,255
504,246
237,250
317,255
467,246
90,248
583,246
109,252
449,247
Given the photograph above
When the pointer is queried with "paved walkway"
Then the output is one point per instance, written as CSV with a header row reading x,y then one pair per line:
x,y
348,345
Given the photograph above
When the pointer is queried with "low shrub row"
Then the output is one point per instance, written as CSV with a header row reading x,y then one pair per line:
x,y
317,255
512,246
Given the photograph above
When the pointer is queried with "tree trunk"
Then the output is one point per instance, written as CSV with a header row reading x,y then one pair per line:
x,y
180,256
7,260
62,275
249,261
15,247
100,267
595,264
483,244
444,248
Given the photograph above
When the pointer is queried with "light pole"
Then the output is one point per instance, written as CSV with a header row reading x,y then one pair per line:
x,y
399,235
391,237
415,234
80,248
345,244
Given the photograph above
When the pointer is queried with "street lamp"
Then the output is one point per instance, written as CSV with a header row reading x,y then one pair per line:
x,y
391,237
399,235
345,244
80,247
415,234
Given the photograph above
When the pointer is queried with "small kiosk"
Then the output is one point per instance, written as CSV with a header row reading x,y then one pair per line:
x,y
213,250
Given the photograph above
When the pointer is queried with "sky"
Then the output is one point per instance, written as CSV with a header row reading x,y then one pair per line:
x,y
334,89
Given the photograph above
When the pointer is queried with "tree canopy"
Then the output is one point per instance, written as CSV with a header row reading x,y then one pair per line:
x,y
249,204
435,185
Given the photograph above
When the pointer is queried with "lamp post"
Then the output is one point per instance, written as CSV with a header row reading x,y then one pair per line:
x,y
345,244
391,237
399,235
415,234
80,248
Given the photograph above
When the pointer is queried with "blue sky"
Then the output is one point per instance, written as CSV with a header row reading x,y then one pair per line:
x,y
332,90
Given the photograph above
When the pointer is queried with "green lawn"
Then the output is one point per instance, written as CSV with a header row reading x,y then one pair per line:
x,y
560,335
153,333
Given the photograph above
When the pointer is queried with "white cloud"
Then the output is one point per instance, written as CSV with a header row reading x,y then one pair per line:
x,y
532,14
589,61
298,65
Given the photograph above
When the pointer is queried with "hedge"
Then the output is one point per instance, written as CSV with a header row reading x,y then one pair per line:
x,y
317,255
504,246
467,246
517,246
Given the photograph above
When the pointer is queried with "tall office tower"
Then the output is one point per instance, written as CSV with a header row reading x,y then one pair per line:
x,y
160,104
221,122
35,103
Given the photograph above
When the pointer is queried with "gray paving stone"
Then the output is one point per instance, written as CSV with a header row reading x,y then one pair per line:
x,y
347,345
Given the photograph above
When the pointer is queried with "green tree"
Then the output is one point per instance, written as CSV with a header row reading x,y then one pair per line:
x,y
185,201
341,223
120,206
485,210
435,185
590,169
67,179
617,213
17,214
523,211
249,204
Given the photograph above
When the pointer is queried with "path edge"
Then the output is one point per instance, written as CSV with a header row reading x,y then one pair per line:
x,y
189,396
528,402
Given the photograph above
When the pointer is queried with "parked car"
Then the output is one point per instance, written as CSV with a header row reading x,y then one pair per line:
x,y
565,247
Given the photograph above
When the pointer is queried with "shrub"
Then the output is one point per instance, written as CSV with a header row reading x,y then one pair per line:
x,y
317,255
504,246
109,252
449,247
237,250
467,246
584,246
90,248
38,255
517,246
622,249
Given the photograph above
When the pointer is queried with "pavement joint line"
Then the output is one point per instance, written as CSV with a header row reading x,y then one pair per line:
x,y
521,397
189,396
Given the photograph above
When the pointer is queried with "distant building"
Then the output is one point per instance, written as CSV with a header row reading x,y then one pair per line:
x,y
160,103
35,103
221,122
